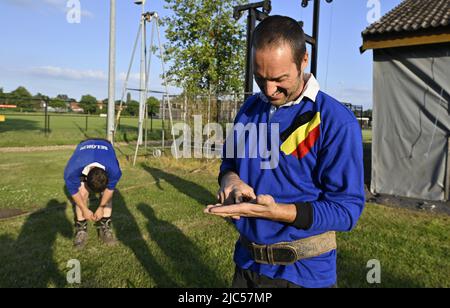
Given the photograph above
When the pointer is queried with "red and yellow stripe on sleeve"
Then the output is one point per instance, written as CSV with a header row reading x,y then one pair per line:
x,y
301,141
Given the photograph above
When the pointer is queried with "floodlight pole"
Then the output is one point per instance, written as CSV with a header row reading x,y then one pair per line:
x,y
314,41
315,46
112,74
253,15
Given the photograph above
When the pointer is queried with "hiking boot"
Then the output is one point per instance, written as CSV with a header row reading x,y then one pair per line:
x,y
105,232
81,234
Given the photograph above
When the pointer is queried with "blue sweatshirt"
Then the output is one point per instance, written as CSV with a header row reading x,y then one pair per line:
x,y
86,153
320,163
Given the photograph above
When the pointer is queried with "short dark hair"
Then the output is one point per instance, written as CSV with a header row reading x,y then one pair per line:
x,y
97,180
278,29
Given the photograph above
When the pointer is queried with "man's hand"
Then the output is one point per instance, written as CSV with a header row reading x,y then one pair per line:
x,y
99,213
233,191
87,214
263,207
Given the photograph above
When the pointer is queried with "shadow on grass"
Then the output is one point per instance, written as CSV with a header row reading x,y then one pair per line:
x,y
188,188
128,133
128,232
82,130
183,253
12,124
353,271
29,261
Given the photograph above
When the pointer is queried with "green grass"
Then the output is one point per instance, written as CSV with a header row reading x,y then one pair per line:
x,y
20,130
367,135
166,241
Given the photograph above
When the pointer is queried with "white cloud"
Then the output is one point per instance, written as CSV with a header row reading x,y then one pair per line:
x,y
43,5
61,73
67,73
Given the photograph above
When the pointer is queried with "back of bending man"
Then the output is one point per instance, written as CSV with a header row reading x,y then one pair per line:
x,y
287,207
93,168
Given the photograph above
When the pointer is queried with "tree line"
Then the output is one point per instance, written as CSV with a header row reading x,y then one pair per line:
x,y
26,102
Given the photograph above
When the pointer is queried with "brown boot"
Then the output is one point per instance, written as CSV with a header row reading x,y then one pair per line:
x,y
81,234
105,232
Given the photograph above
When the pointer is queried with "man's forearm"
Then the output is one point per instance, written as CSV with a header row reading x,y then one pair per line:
x,y
285,213
79,202
106,198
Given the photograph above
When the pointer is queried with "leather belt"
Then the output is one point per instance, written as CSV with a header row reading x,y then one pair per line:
x,y
285,253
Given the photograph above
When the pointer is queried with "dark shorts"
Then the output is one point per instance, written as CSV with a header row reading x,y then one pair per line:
x,y
248,279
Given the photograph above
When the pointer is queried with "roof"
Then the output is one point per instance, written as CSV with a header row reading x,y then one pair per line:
x,y
413,22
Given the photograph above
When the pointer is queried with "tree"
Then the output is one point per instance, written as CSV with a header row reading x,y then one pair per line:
x,y
63,97
132,108
89,104
153,105
367,113
58,103
152,108
22,98
3,96
206,46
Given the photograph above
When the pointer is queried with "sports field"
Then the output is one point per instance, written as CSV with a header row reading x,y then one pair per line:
x,y
166,241
21,130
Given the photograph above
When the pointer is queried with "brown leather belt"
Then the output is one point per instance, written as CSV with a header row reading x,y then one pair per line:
x,y
286,253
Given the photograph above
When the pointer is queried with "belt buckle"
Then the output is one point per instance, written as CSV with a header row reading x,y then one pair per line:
x,y
260,254
284,254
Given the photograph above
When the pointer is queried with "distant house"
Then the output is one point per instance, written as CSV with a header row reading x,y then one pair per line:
x,y
364,122
75,107
411,97
100,105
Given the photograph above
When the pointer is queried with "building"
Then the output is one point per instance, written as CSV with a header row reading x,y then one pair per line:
x,y
75,107
411,97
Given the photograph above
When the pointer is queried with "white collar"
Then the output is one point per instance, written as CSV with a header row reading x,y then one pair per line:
x,y
90,166
310,91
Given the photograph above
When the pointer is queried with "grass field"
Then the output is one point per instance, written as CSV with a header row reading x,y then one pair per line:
x,y
20,130
166,241
367,135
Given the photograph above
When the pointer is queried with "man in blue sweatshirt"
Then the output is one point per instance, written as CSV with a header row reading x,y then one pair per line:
x,y
93,168
287,207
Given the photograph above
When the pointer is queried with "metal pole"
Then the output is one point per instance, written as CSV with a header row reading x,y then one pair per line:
x,y
142,74
447,178
163,119
251,23
166,86
112,74
47,101
146,129
185,108
86,127
315,47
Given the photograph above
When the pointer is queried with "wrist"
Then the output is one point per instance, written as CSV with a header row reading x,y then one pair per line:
x,y
284,213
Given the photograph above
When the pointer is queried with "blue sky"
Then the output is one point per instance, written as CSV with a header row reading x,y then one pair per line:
x,y
40,50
